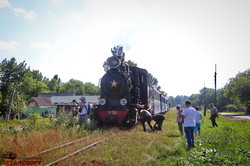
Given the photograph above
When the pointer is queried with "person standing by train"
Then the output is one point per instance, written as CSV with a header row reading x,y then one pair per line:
x,y
179,119
189,123
146,117
214,114
83,111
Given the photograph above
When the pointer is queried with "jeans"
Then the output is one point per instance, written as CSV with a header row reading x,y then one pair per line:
x,y
189,131
83,119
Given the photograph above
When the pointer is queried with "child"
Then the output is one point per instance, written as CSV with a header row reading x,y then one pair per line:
x,y
198,117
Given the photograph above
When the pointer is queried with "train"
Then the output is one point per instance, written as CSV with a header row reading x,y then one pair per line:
x,y
125,91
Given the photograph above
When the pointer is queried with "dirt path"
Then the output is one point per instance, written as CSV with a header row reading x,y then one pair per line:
x,y
235,116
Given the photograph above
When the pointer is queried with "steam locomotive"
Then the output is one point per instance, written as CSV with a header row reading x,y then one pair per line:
x,y
124,91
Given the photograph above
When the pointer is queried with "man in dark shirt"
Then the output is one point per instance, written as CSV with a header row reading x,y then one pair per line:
x,y
146,117
158,121
214,114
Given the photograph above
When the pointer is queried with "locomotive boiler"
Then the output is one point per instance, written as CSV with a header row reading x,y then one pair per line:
x,y
124,91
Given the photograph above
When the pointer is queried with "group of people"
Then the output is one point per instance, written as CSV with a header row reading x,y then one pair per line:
x,y
146,116
189,119
83,110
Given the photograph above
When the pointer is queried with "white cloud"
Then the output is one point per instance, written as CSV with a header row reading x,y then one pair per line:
x,y
4,3
50,13
8,45
27,14
74,17
57,2
17,11
40,44
30,15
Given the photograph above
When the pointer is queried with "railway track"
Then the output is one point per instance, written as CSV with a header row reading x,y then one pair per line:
x,y
62,153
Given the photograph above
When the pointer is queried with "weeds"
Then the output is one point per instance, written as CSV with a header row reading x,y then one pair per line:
x,y
229,144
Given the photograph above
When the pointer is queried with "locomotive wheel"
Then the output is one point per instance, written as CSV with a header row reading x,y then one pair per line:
x,y
96,118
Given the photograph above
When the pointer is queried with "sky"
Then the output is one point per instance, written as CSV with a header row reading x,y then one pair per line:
x,y
177,41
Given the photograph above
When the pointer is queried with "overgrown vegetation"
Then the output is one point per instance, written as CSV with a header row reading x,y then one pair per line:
x,y
227,144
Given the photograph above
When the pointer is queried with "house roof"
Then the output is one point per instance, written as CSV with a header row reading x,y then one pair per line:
x,y
42,101
69,99
55,94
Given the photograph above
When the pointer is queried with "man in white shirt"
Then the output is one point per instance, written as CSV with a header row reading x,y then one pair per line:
x,y
83,110
189,123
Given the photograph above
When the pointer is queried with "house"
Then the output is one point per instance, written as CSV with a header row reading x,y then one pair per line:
x,y
40,102
65,102
53,102
42,105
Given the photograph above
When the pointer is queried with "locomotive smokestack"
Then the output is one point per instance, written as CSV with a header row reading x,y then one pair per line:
x,y
118,52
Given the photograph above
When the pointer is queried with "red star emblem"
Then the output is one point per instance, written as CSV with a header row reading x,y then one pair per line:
x,y
113,83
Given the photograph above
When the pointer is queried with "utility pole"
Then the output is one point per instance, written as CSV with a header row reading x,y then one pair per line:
x,y
215,75
205,108
11,100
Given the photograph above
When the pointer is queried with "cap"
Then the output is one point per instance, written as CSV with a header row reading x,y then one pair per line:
x,y
178,106
82,98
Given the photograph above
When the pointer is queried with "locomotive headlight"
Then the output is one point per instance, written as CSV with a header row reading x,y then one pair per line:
x,y
123,101
102,101
113,62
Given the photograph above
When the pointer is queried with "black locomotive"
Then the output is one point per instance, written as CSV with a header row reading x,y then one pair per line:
x,y
124,91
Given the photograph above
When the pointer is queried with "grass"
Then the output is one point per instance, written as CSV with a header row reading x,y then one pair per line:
x,y
229,144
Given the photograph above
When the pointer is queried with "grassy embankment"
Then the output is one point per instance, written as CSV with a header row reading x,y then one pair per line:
x,y
229,144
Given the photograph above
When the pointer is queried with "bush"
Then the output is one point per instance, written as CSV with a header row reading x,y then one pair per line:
x,y
231,108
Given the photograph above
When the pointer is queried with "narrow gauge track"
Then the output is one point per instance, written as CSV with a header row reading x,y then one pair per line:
x,y
68,155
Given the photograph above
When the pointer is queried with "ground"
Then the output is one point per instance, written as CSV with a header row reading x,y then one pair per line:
x,y
235,116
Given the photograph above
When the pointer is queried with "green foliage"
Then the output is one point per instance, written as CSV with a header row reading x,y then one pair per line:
x,y
55,84
229,144
11,74
231,107
179,99
33,117
238,89
131,63
64,120
74,86
91,89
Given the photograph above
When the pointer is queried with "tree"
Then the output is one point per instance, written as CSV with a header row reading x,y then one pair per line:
x,y
55,84
171,101
195,98
180,99
91,89
32,84
73,86
11,74
238,89
131,63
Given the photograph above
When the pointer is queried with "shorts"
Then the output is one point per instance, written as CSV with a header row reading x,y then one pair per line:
x,y
180,126
197,127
